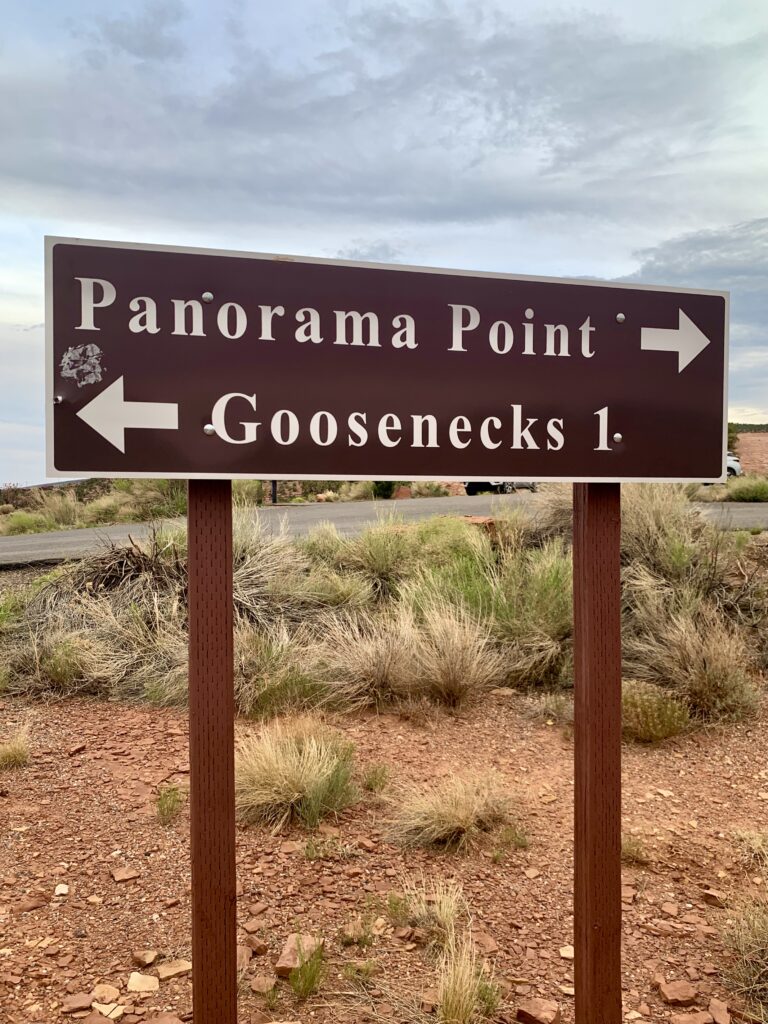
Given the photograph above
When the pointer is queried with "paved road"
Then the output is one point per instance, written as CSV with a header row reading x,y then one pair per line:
x,y
349,517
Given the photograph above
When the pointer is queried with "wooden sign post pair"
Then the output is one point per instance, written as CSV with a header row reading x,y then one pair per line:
x,y
597,755
212,365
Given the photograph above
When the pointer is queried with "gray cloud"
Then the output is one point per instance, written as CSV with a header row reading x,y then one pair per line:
x,y
147,34
435,115
731,259
375,250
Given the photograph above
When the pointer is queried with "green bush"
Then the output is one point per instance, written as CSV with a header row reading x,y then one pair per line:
x,y
695,652
428,489
269,679
749,488
381,554
311,488
21,521
248,492
649,714
385,488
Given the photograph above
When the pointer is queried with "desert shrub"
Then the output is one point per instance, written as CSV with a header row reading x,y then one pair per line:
x,y
451,813
168,803
11,608
650,714
659,527
633,851
428,489
90,645
550,709
328,588
692,650
268,569
434,904
381,554
59,506
534,593
137,501
746,938
21,521
510,837
306,979
385,488
367,660
375,778
441,540
356,490
14,749
323,545
754,848
63,662
533,613
311,488
269,674
248,492
12,494
5,509
464,995
748,488
455,659
293,771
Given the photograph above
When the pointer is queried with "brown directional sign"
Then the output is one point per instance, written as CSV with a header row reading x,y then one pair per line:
x,y
196,363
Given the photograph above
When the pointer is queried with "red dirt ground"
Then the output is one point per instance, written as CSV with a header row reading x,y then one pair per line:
x,y
85,805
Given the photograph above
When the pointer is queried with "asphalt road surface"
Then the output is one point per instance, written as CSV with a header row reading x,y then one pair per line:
x,y
348,517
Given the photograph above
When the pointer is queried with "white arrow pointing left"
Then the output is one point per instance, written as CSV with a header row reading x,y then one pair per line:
x,y
110,415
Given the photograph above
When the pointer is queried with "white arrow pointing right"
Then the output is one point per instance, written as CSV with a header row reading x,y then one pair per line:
x,y
110,415
686,339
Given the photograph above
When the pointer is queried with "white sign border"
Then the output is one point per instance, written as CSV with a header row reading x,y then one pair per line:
x,y
53,240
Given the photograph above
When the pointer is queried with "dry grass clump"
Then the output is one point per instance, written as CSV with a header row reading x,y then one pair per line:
x,y
324,588
455,658
746,937
268,570
15,749
464,995
436,905
550,709
381,554
633,851
754,849
270,677
659,527
748,488
323,545
89,646
168,803
306,979
367,660
696,653
299,770
452,813
650,714
533,613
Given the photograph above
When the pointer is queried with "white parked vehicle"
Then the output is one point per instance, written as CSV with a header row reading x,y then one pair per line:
x,y
733,465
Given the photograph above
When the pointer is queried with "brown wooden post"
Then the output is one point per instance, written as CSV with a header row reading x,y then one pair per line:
x,y
211,752
597,827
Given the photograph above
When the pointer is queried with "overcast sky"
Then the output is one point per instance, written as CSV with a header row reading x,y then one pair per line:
x,y
610,138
